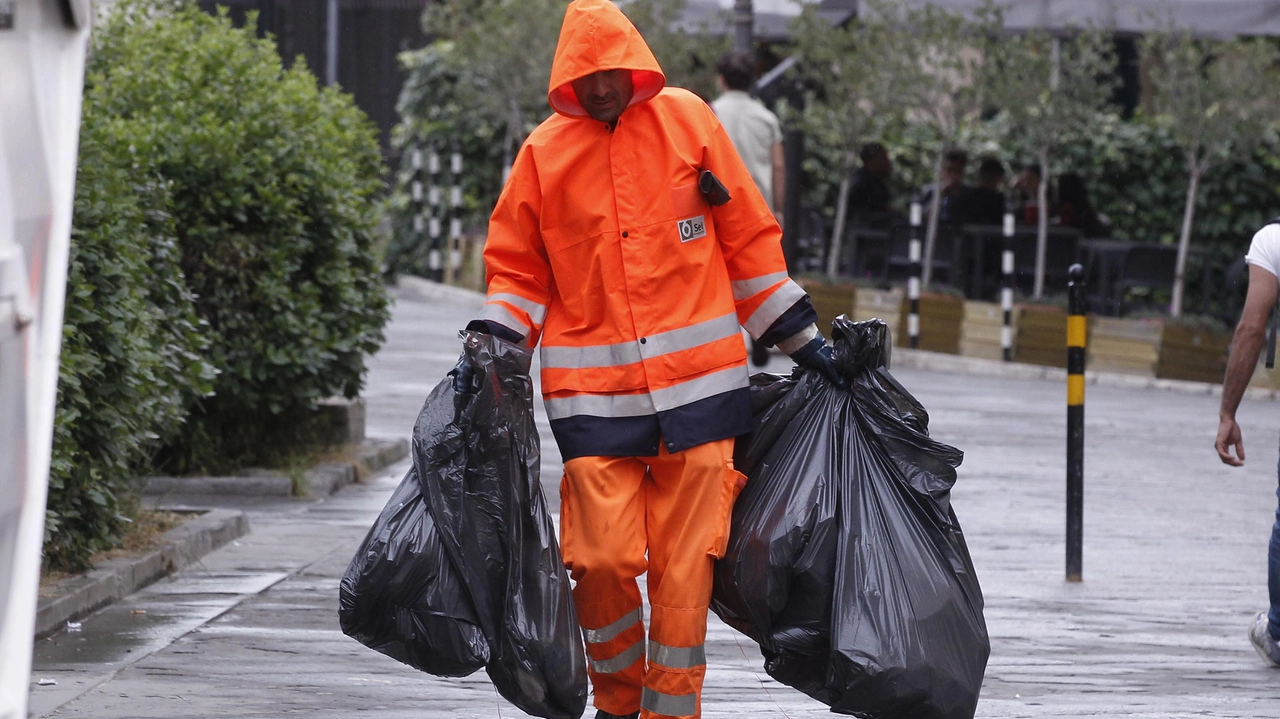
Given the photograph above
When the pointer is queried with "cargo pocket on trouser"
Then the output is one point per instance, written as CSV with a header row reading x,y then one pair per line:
x,y
566,533
733,481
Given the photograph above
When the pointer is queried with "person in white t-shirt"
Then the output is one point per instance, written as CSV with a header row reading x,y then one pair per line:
x,y
756,135
1246,345
752,128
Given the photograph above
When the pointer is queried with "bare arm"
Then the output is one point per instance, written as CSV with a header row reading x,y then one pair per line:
x,y
779,179
1245,348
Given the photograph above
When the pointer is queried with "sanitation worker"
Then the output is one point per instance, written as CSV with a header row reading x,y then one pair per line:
x,y
631,243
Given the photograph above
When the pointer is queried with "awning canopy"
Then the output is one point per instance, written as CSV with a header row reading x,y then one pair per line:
x,y
1217,18
1213,18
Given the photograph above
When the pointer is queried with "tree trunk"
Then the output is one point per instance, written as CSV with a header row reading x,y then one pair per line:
x,y
511,143
837,232
1184,242
931,232
1042,224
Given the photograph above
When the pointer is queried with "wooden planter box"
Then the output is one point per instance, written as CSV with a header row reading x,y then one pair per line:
x,y
1264,378
830,300
1127,346
941,317
1194,353
1041,338
981,328
879,304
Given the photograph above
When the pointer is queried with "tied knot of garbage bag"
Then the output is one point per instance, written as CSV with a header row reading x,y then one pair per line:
x,y
859,346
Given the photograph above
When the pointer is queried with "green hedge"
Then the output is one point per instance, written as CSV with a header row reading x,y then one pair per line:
x,y
132,346
224,225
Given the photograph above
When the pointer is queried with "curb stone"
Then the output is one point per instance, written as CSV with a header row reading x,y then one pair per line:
x,y
420,288
958,364
322,480
79,596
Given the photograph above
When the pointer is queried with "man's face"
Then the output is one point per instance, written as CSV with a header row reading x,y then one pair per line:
x,y
881,166
952,172
604,94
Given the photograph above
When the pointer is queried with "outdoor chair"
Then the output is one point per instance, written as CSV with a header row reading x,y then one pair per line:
x,y
1062,249
1148,266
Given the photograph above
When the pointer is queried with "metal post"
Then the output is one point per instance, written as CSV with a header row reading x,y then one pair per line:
x,y
913,281
331,43
1076,338
1006,287
434,259
416,197
743,20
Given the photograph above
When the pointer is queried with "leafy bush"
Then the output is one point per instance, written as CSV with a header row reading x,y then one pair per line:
x,y
271,184
131,348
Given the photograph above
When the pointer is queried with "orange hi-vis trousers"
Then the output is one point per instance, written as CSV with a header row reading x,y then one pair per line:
x,y
677,507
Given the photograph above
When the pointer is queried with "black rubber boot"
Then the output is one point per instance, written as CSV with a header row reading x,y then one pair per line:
x,y
602,714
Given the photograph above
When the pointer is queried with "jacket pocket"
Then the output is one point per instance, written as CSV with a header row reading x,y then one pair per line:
x,y
692,213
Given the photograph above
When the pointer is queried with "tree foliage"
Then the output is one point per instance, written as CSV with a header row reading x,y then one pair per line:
x,y
1215,96
1049,87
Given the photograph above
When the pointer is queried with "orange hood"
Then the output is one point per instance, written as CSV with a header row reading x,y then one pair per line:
x,y
597,36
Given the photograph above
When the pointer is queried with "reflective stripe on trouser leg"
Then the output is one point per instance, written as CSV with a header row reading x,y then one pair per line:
x,y
688,507
603,539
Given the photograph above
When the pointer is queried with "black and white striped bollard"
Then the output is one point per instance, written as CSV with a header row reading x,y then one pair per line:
x,y
1006,288
914,253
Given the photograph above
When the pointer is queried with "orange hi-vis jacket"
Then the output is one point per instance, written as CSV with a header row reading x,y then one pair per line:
x,y
603,249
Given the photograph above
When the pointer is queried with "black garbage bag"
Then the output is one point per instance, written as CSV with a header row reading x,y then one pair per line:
x,y
846,562
476,460
401,596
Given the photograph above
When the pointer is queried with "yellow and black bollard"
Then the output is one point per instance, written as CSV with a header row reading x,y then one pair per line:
x,y
1076,338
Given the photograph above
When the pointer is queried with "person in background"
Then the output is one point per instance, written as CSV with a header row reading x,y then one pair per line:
x,y
1027,193
869,196
1264,267
954,162
757,136
984,203
752,127
1075,210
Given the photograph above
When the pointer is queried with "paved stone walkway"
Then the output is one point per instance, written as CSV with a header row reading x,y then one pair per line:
x,y
1174,565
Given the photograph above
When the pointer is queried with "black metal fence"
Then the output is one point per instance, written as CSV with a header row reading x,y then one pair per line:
x,y
371,33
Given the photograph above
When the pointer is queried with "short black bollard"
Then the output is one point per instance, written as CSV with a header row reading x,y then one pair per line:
x,y
914,254
1076,337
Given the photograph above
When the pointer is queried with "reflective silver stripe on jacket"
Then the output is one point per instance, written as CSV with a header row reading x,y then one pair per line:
x,y
604,634
504,317
620,662
677,657
701,388
742,289
633,351
537,312
673,705
780,301
600,405
646,403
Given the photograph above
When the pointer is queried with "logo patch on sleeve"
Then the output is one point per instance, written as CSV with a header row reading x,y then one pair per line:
x,y
692,228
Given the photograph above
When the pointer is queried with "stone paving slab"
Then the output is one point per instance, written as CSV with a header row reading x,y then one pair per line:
x,y
112,579
1174,568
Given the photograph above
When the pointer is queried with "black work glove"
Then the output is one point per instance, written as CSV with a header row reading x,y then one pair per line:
x,y
465,380
817,356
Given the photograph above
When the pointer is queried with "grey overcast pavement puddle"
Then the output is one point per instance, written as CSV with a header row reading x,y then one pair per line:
x,y
134,628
